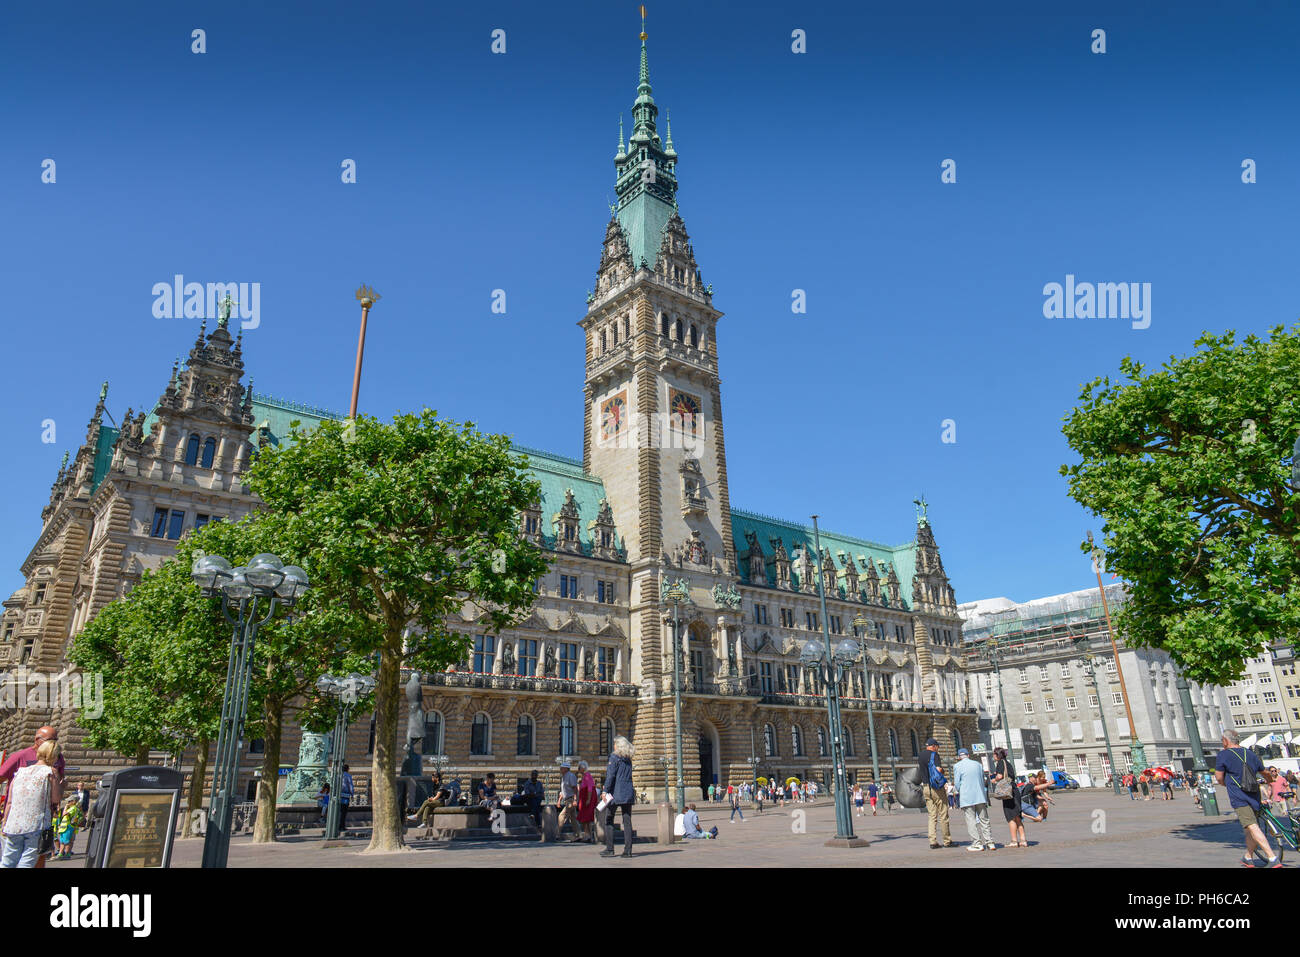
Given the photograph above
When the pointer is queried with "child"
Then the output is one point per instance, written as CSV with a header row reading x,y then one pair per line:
x,y
65,828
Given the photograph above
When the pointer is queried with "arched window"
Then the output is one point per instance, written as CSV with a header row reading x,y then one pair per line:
x,y
769,741
893,743
567,745
663,325
695,336
432,743
848,743
956,738
916,745
796,741
192,451
209,451
480,735
677,330
606,736
524,735
821,742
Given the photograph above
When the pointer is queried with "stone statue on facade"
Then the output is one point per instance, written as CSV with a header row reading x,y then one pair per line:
x,y
549,663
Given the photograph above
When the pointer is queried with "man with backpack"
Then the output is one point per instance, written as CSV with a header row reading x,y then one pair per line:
x,y
934,786
1241,771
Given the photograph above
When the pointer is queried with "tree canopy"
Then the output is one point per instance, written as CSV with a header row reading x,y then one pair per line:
x,y
410,521
1189,468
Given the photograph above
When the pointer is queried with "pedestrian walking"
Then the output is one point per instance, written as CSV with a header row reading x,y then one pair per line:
x,y
734,797
568,802
33,793
65,828
934,785
952,795
873,793
858,799
1004,789
618,793
1241,772
973,801
1145,786
587,798
346,793
888,791
758,798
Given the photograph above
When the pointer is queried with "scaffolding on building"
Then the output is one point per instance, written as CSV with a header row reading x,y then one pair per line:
x,y
1039,626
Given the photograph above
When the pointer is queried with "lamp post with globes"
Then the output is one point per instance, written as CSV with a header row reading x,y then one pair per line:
x,y
346,692
831,664
678,592
243,590
868,626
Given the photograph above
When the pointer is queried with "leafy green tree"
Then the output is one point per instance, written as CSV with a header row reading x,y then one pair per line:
x,y
407,522
1189,468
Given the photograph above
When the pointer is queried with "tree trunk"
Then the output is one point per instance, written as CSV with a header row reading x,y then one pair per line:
x,y
385,830
195,801
273,730
141,756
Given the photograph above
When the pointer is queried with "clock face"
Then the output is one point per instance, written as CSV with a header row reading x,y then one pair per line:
x,y
684,405
613,413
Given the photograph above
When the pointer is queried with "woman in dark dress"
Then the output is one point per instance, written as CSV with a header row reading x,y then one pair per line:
x,y
1002,768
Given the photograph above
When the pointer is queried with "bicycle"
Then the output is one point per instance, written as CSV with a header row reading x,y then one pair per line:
x,y
1285,830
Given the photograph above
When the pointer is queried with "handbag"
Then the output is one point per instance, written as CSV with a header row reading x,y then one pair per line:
x,y
47,833
1002,790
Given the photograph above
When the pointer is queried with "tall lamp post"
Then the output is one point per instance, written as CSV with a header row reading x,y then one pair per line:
x,y
831,664
264,579
753,765
678,592
346,692
868,626
1139,753
1093,666
367,297
991,647
1210,806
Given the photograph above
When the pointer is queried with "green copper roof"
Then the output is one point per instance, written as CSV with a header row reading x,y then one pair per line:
x,y
103,455
556,475
646,176
278,413
794,535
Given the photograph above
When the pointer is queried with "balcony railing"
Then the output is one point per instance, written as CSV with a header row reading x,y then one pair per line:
x,y
877,704
468,679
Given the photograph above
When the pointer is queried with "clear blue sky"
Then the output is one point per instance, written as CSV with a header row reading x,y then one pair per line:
x,y
817,171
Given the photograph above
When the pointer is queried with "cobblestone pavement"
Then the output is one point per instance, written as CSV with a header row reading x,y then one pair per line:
x,y
1086,828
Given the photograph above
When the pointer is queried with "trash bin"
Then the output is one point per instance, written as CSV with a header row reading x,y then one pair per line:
x,y
1209,800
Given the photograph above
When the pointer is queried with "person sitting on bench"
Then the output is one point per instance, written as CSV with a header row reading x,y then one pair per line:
x,y
442,797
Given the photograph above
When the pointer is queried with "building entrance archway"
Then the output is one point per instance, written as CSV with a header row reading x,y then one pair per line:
x,y
710,758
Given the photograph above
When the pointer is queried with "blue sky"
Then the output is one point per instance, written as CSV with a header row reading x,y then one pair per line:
x,y
818,171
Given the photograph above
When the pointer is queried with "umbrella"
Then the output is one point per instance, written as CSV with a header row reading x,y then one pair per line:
x,y
1270,739
1249,742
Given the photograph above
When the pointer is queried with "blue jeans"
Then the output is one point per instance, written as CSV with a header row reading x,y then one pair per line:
x,y
21,850
736,810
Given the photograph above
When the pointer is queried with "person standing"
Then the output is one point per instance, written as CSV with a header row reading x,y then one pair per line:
x,y
1241,772
587,798
33,792
857,799
973,801
1132,781
712,791
1003,770
1144,786
27,757
619,794
567,805
734,797
934,785
888,791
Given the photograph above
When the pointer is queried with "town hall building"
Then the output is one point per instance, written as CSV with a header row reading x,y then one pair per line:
x,y
646,507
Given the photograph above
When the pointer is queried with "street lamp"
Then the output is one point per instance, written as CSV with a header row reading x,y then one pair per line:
x,y
868,627
346,692
367,297
1209,804
677,593
991,647
1139,753
753,764
1091,663
831,663
264,579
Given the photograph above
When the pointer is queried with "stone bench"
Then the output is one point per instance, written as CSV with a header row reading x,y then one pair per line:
x,y
458,823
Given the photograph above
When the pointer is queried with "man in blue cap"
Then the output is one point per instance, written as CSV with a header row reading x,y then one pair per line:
x,y
933,784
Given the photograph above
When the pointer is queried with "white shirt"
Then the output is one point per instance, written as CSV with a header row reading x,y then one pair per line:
x,y
568,786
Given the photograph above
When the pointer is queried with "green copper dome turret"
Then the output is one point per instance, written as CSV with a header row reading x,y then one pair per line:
x,y
646,177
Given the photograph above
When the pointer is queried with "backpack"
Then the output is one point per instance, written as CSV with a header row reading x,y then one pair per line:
x,y
1248,781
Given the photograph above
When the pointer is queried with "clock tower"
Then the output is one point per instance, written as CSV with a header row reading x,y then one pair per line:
x,y
653,415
